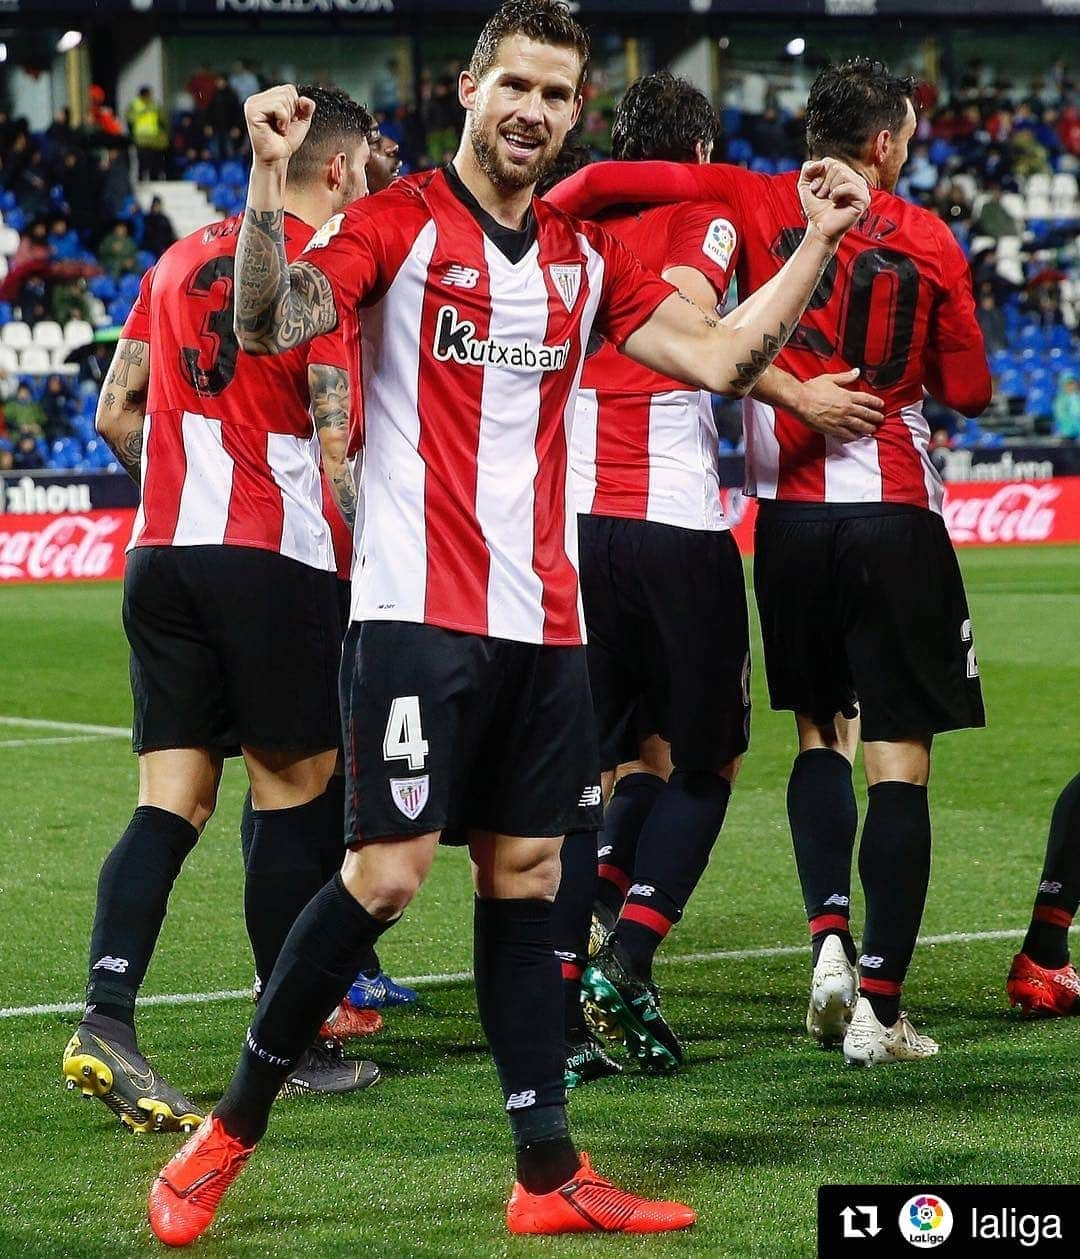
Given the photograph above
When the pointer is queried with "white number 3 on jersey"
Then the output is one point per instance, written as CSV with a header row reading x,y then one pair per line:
x,y
404,738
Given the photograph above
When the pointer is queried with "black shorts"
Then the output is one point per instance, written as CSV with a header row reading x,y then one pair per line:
x,y
231,646
866,607
451,731
669,645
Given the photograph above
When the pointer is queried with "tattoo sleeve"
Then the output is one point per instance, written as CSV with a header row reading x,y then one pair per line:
x,y
128,449
132,353
748,374
329,389
277,307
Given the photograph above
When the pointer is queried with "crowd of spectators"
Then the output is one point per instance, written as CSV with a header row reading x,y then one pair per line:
x,y
77,240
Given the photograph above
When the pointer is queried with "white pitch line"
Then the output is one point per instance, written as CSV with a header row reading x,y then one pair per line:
x,y
76,727
457,977
51,740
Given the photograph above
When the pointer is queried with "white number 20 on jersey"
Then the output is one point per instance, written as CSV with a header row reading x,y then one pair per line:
x,y
404,738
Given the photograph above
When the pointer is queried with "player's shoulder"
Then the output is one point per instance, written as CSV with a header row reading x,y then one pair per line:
x,y
557,225
912,228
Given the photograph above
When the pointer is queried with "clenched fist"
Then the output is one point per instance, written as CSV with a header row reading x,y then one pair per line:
x,y
277,122
833,196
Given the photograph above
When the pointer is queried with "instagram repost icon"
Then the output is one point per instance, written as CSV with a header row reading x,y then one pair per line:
x,y
925,1220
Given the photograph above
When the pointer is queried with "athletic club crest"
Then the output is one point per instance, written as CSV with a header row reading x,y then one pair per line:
x,y
410,794
567,280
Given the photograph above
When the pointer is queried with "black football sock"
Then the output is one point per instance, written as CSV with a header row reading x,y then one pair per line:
x,y
894,866
570,923
1047,939
332,848
519,1000
824,818
318,962
247,828
672,854
284,870
617,843
132,897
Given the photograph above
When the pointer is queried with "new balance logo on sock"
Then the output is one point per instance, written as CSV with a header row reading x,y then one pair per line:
x,y
118,965
590,798
1050,887
521,1101
606,851
563,956
641,889
871,961
837,899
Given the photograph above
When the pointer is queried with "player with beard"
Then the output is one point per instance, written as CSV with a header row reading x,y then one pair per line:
x,y
230,608
665,605
862,604
464,684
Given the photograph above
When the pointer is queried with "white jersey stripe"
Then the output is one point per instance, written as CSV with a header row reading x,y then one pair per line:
x,y
294,465
852,471
583,450
684,481
920,439
762,448
506,454
389,575
204,500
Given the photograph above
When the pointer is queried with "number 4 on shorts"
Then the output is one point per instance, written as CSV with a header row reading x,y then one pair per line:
x,y
404,738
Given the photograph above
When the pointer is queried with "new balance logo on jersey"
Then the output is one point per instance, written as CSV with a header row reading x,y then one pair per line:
x,y
521,1101
590,797
456,339
871,961
118,965
641,889
837,899
461,277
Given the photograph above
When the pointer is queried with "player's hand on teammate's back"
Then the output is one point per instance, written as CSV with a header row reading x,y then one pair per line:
x,y
277,121
833,196
835,410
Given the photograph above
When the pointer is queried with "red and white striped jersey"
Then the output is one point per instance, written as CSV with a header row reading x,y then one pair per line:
x,y
895,302
470,365
644,445
230,454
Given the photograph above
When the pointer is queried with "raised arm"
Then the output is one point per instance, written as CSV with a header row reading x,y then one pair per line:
x,y
329,389
277,306
121,408
729,357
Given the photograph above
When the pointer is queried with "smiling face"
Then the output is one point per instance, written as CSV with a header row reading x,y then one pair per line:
x,y
521,109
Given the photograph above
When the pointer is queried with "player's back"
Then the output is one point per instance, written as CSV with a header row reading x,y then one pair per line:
x,y
645,445
230,451
896,296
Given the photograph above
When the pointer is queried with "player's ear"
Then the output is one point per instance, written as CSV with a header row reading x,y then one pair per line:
x,y
466,89
881,146
335,171
578,101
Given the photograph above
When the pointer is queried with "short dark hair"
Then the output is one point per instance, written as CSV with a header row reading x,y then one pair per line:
x,y
850,103
662,118
546,21
338,121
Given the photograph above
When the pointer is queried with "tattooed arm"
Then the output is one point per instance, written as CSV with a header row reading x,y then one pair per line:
x,y
121,409
730,356
276,306
329,389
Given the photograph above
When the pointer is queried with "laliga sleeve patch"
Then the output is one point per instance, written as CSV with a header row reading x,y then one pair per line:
x,y
719,242
325,234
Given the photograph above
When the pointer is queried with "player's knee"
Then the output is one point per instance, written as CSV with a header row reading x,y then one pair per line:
x,y
532,876
383,885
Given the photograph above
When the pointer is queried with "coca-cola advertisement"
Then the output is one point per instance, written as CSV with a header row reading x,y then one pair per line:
x,y
977,513
72,547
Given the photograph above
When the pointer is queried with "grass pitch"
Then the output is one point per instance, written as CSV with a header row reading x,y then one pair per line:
x,y
420,1165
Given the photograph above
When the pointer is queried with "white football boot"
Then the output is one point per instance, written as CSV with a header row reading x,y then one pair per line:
x,y
833,990
869,1043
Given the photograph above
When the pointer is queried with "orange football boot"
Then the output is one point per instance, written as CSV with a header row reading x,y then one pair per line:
x,y
192,1183
350,1022
588,1203
1041,990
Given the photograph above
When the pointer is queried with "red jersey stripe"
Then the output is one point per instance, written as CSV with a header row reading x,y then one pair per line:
x,y
622,426
256,511
166,471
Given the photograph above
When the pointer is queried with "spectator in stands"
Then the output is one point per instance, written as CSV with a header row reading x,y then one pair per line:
x,y
95,366
921,173
33,247
158,231
146,122
1067,407
80,183
23,414
64,245
991,319
993,219
69,300
1029,156
116,190
31,186
225,115
101,118
9,382
55,406
201,86
27,456
117,252
243,80
7,461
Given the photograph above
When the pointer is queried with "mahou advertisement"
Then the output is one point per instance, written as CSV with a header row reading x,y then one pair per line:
x,y
89,545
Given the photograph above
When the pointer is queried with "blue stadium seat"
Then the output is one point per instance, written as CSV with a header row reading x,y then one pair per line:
x,y
739,150
103,287
785,164
233,172
1000,361
15,218
7,202
1038,375
128,288
66,452
1040,402
1032,335
1060,338
940,152
1012,383
5,312
763,165
144,259
119,310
